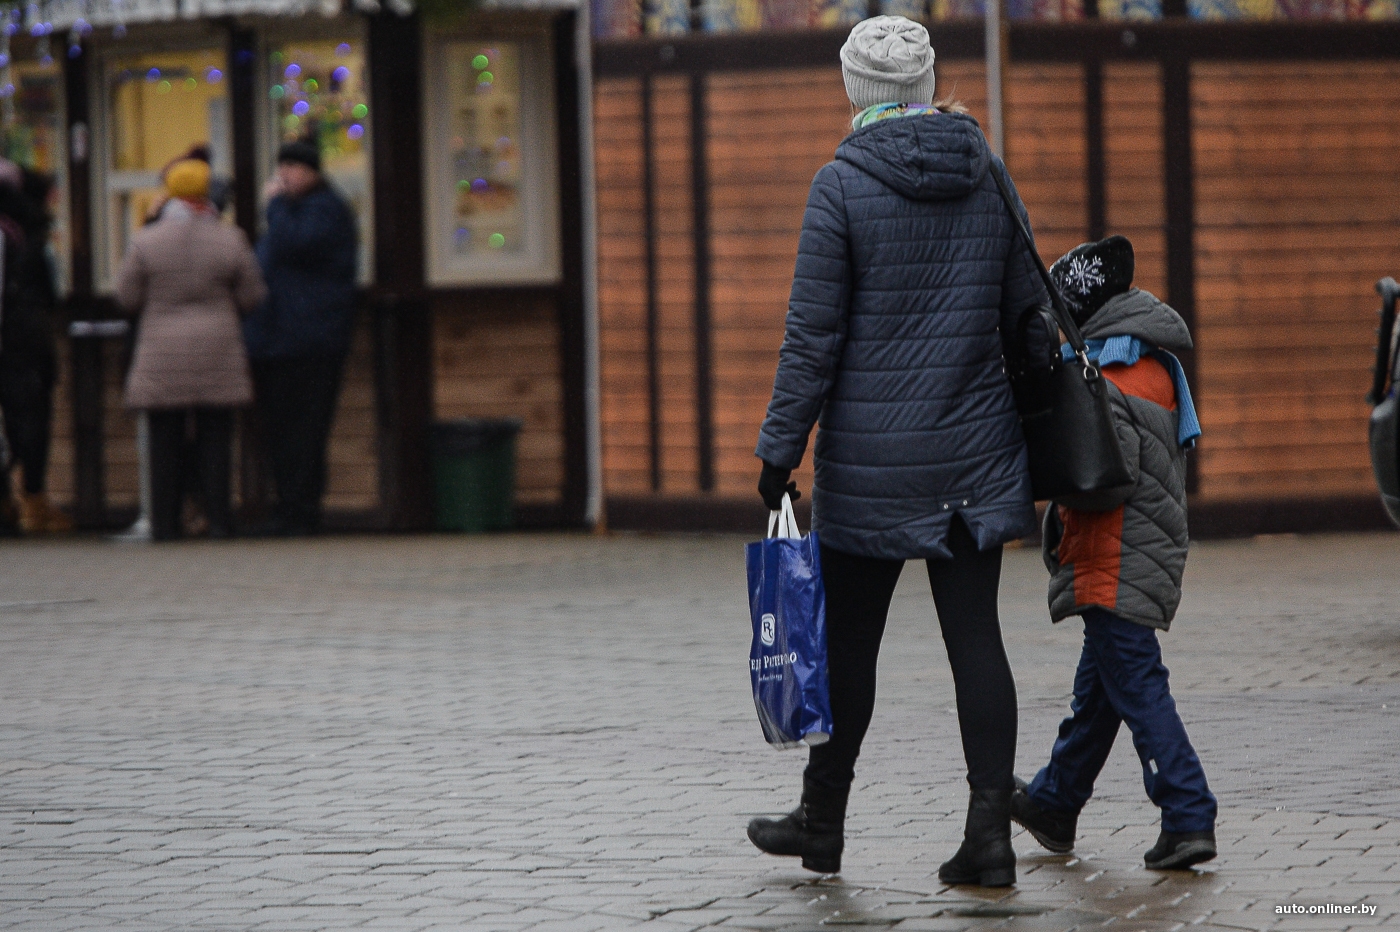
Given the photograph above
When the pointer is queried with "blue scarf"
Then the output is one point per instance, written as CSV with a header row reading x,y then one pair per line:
x,y
1128,350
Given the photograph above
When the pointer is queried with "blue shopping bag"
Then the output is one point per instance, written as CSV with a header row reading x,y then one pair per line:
x,y
787,661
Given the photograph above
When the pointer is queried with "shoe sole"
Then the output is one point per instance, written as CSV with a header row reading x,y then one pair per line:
x,y
1188,855
1049,844
998,877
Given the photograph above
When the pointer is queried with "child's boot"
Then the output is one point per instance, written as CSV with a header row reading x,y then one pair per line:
x,y
1053,829
1180,850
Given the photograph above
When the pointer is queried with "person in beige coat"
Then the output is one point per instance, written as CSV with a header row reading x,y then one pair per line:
x,y
189,277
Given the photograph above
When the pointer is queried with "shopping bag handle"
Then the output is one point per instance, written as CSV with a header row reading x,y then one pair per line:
x,y
784,520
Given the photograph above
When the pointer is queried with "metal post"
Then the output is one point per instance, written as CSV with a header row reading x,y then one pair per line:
x,y
1095,170
593,509
700,231
1178,152
653,320
994,38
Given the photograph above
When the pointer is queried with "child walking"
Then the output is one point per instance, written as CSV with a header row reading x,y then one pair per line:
x,y
1120,569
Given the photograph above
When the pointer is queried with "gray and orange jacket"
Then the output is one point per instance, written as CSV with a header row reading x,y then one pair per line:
x,y
1129,559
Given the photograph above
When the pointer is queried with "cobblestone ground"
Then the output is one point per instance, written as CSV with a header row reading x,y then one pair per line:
x,y
555,733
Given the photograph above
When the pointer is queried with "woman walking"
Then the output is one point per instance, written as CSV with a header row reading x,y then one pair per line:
x,y
908,274
189,276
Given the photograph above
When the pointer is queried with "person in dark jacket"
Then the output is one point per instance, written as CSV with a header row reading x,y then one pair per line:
x,y
908,273
1120,568
28,358
298,340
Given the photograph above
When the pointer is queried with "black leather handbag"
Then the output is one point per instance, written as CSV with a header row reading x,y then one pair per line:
x,y
1066,417
1384,430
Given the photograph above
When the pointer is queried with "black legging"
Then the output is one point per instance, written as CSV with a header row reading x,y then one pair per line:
x,y
26,397
858,593
213,430
296,406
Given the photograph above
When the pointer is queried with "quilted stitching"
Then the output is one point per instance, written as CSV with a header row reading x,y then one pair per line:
x,y
1155,537
908,271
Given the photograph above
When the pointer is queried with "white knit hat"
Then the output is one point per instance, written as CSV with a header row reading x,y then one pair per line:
x,y
888,60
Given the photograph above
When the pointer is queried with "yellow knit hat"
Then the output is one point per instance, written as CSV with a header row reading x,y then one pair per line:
x,y
188,178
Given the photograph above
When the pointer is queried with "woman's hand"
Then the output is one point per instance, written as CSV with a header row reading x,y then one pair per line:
x,y
773,484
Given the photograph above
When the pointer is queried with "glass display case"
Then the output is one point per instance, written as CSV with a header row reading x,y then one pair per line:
x,y
159,106
318,93
493,188
33,138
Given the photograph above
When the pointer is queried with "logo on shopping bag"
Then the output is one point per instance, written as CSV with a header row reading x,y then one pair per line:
x,y
767,629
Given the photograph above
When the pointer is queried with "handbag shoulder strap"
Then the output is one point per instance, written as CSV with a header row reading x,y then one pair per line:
x,y
1057,301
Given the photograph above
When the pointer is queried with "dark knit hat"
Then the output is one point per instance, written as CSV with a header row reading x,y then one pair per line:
x,y
1091,273
303,152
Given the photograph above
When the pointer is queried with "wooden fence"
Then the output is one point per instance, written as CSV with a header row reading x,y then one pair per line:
x,y
1252,166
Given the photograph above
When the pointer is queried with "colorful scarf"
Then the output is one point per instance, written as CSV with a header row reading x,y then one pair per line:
x,y
1128,350
878,112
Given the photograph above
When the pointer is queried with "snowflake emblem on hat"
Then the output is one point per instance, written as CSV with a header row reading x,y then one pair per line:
x,y
1084,275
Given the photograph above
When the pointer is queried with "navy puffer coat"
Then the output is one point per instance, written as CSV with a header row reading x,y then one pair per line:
x,y
909,270
308,259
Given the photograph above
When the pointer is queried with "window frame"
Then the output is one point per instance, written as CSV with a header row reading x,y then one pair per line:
x,y
173,40
61,229
541,261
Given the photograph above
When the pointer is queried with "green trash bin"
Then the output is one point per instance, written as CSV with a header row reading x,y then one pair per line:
x,y
474,473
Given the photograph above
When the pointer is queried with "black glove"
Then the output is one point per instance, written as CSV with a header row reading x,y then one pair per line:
x,y
772,483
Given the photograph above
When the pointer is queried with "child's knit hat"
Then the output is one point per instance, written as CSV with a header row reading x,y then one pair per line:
x,y
1091,273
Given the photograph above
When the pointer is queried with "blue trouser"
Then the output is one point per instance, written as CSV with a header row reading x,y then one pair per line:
x,y
1121,678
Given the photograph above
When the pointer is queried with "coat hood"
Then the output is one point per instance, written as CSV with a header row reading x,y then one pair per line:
x,y
1140,314
929,157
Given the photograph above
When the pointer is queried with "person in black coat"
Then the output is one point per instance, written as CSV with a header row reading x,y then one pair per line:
x,y
28,357
909,272
297,341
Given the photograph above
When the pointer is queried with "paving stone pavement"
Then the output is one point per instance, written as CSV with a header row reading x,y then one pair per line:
x,y
555,733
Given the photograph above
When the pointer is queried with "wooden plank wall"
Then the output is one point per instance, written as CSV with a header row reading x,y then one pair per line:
x,y
1297,205
353,480
119,431
675,253
1133,167
763,152
497,357
622,285
353,483
1298,213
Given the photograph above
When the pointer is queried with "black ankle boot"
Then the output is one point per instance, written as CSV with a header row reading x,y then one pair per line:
x,y
985,858
813,831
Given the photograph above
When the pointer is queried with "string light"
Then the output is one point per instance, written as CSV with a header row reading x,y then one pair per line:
x,y
7,108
